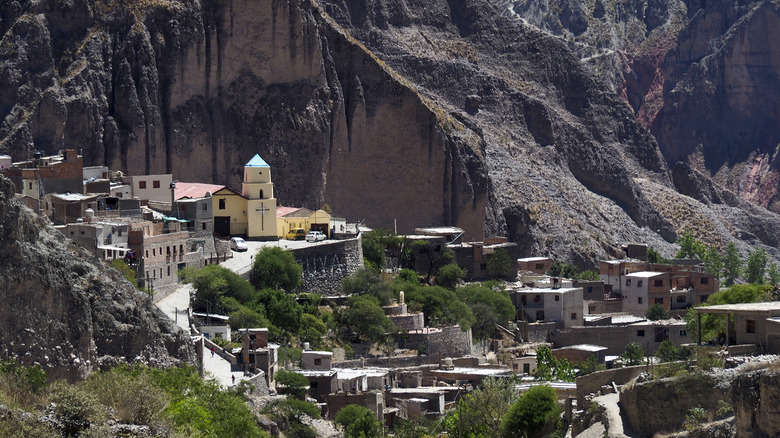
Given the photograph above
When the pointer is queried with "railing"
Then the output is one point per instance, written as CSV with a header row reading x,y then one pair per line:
x,y
215,257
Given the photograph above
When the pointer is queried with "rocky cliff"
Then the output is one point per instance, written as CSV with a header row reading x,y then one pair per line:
x,y
68,311
702,76
437,112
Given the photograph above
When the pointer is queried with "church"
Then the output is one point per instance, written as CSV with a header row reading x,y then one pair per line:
x,y
253,211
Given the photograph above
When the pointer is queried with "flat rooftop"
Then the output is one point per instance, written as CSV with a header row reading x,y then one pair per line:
x,y
762,307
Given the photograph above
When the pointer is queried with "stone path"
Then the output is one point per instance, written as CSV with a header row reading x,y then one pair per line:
x,y
220,369
176,306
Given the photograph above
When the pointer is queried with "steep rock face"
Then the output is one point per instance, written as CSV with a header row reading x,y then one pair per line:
x,y
722,103
197,88
66,310
702,76
437,112
756,403
561,149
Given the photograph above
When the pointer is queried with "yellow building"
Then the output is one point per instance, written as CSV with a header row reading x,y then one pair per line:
x,y
229,209
251,213
288,218
261,204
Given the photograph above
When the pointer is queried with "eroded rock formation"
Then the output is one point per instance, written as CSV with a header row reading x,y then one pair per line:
x,y
67,310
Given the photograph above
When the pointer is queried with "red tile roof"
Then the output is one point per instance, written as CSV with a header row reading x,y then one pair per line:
x,y
194,190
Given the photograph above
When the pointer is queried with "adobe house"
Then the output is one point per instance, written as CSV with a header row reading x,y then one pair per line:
x,y
756,324
62,173
258,353
537,265
563,305
473,257
580,353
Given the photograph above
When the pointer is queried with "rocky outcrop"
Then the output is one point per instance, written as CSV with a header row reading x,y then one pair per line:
x,y
756,400
67,310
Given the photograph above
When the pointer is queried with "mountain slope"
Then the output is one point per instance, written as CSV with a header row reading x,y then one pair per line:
x,y
407,112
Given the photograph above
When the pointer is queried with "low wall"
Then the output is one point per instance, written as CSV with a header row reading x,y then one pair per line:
x,y
445,342
325,265
592,383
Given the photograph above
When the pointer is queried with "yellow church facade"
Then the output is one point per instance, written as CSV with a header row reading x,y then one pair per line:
x,y
253,211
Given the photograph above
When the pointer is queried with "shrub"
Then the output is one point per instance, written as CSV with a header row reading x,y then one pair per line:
x,y
535,413
75,408
358,421
133,399
695,418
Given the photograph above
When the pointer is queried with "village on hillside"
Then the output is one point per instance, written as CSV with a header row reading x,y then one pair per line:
x,y
617,321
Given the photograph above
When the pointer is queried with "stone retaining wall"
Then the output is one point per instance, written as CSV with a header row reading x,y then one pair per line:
x,y
324,266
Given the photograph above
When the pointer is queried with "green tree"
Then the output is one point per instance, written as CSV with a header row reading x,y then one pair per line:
x,y
292,383
275,268
373,253
559,269
499,263
312,329
690,247
634,354
756,266
209,287
589,275
713,261
657,312
450,276
535,414
588,366
365,319
489,307
358,422
668,352
440,306
549,368
654,256
773,274
245,317
281,309
732,265
479,413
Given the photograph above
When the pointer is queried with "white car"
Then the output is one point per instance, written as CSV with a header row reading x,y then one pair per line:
x,y
315,236
238,244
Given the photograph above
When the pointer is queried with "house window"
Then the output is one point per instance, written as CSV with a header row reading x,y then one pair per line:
x,y
590,289
482,266
30,186
591,309
574,315
539,266
659,301
681,299
639,283
141,184
261,194
205,206
557,298
222,204
156,184
640,333
526,368
154,252
703,298
658,283
639,300
118,194
750,326
705,280
169,271
203,226
318,361
683,333
628,282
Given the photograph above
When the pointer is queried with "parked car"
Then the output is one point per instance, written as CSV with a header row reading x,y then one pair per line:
x,y
296,234
238,244
315,236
